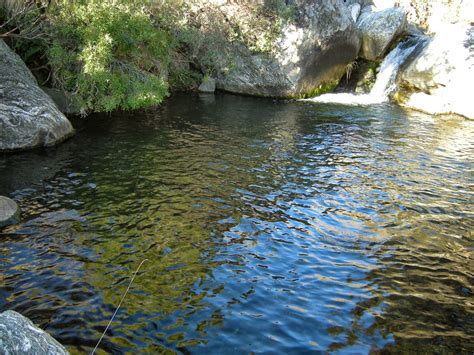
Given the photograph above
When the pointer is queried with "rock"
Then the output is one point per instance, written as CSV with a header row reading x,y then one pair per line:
x,y
66,102
362,3
364,6
379,30
9,212
309,54
432,15
208,85
366,9
18,335
438,79
355,11
384,4
28,117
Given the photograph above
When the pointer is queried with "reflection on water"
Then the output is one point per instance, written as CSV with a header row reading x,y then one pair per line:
x,y
269,226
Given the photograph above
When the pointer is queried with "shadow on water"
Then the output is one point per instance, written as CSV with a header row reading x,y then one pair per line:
x,y
269,226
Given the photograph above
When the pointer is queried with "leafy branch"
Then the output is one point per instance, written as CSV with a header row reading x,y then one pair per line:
x,y
23,21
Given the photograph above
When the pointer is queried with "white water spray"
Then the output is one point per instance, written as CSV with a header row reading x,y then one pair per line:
x,y
385,84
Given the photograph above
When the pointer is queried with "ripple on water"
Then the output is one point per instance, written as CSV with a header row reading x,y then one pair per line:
x,y
268,226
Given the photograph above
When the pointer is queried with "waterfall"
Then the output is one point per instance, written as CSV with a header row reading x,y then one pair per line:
x,y
385,85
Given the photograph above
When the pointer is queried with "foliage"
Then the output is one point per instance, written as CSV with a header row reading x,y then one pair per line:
x,y
350,67
277,14
109,53
211,36
257,25
23,27
126,54
21,19
323,88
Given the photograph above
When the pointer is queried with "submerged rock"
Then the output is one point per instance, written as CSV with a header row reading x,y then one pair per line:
x,y
379,30
18,335
9,211
438,79
309,54
28,117
65,101
208,85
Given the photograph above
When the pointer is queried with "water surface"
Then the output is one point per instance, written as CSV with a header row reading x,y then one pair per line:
x,y
268,226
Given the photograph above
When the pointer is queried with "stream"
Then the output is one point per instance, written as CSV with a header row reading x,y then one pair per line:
x,y
267,225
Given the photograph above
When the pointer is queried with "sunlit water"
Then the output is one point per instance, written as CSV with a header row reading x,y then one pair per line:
x,y
268,226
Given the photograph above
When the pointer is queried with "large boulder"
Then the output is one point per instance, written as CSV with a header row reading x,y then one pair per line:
x,y
438,80
28,117
379,30
18,335
310,53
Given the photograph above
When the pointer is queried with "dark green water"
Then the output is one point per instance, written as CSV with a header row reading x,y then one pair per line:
x,y
268,226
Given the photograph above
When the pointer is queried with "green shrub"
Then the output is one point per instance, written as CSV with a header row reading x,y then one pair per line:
x,y
109,53
23,27
127,54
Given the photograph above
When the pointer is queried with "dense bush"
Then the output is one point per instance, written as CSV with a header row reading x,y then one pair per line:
x,y
109,53
126,54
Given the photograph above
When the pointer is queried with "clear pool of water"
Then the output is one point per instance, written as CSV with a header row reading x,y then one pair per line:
x,y
268,226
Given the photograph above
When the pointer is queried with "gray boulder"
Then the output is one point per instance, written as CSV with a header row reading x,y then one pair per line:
x,y
9,212
438,80
66,102
18,335
379,30
310,54
28,117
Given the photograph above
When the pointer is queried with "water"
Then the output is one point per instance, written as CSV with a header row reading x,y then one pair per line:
x,y
269,226
385,85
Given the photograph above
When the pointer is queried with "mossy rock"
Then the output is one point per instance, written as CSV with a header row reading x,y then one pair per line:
x,y
317,91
